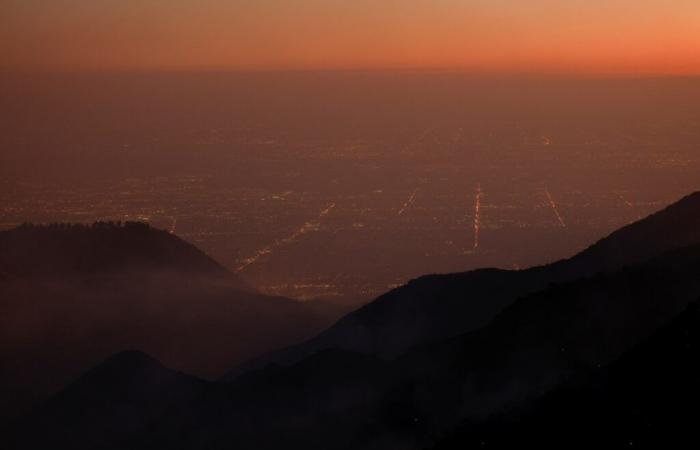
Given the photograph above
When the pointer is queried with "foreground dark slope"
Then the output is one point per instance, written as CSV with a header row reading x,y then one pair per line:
x,y
118,398
529,348
337,399
553,335
72,295
647,399
440,306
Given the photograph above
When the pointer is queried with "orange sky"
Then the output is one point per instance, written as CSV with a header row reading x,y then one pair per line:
x,y
580,36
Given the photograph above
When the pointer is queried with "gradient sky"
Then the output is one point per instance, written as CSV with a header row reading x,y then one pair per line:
x,y
589,36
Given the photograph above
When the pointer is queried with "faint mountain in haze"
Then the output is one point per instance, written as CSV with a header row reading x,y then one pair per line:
x,y
439,306
74,294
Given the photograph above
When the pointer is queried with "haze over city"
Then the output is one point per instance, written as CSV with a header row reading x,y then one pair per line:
x,y
347,184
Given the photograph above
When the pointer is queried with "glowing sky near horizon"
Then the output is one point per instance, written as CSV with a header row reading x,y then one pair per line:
x,y
592,36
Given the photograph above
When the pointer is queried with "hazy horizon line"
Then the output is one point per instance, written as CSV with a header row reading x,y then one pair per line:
x,y
468,72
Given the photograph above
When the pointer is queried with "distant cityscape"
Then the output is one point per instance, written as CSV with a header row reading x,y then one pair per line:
x,y
347,208
358,241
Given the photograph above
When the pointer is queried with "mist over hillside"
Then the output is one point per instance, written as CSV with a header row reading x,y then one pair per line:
x,y
73,294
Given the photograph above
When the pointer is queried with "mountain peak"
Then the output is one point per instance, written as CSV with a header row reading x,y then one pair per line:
x,y
62,249
131,360
124,371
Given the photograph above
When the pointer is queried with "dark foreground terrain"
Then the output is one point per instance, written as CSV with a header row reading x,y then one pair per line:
x,y
71,295
598,349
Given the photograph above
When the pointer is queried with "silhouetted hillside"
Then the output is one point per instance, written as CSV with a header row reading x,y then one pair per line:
x,y
550,336
73,294
120,397
555,336
64,250
544,339
336,399
440,306
646,399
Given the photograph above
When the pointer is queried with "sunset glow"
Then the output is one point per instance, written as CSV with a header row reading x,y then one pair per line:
x,y
611,36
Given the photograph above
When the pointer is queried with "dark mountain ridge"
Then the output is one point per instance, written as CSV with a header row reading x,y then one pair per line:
x,y
70,295
531,347
121,396
63,250
435,307
646,399
337,399
552,335
341,399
